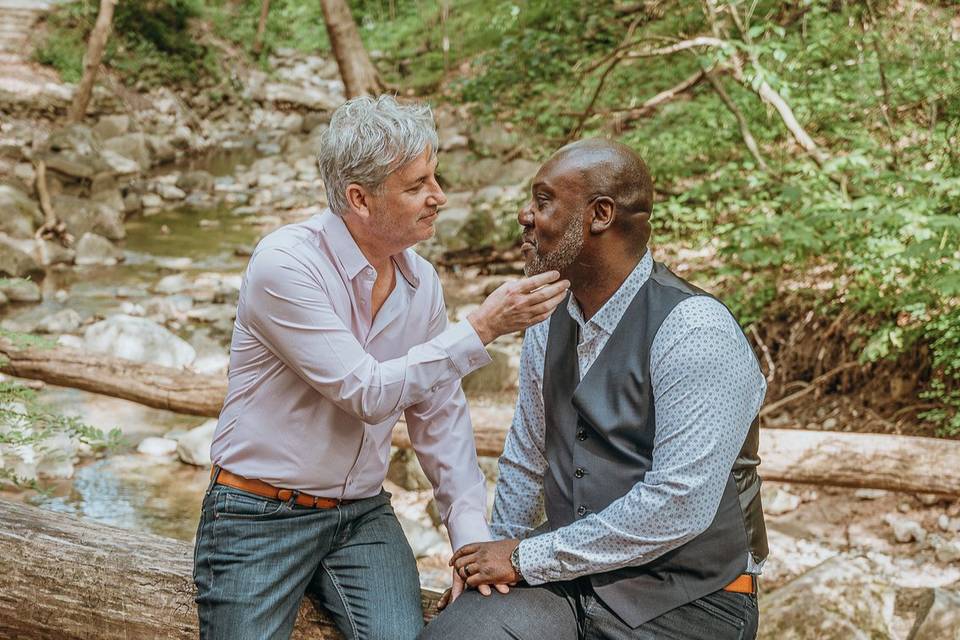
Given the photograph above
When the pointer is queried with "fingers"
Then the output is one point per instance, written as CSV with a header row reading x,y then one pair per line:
x,y
550,291
484,589
502,588
463,560
444,600
466,549
535,282
548,305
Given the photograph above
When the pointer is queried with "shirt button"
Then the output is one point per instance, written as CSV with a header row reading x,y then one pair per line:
x,y
579,473
581,510
581,435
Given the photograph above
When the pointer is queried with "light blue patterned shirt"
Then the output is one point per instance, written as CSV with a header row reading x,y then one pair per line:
x,y
707,389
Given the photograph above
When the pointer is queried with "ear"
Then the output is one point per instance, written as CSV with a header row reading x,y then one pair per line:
x,y
603,214
358,200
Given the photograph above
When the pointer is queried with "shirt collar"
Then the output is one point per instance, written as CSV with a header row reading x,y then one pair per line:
x,y
353,260
609,315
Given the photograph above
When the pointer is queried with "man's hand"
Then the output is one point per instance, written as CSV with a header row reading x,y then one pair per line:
x,y
458,588
518,305
485,563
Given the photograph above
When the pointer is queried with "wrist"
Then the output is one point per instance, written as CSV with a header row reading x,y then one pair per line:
x,y
479,325
515,562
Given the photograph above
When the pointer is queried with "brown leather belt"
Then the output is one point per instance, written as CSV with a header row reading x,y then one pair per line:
x,y
261,488
746,583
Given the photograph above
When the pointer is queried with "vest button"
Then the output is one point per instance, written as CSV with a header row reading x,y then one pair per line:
x,y
581,510
581,435
579,473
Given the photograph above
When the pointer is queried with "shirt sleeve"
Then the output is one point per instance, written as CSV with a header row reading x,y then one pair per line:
x,y
707,389
442,437
286,307
518,505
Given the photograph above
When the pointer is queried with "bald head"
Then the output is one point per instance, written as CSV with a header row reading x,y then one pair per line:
x,y
611,169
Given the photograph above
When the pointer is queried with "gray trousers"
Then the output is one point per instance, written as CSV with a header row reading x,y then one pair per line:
x,y
571,611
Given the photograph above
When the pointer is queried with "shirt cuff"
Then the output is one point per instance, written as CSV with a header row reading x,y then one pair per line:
x,y
466,528
464,347
537,562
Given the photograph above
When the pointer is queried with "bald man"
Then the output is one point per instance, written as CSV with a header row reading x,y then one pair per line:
x,y
628,503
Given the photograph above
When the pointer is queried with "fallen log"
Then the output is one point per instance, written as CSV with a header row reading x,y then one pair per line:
x,y
62,578
859,460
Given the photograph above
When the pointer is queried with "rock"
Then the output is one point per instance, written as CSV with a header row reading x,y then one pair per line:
x,y
844,598
50,252
498,375
112,126
176,283
132,203
3,300
138,339
173,264
132,146
939,619
870,494
929,499
157,447
494,139
74,151
70,341
424,540
161,150
20,290
946,551
195,181
55,457
120,164
169,191
151,201
783,502
63,321
19,214
81,216
182,138
211,363
905,530
193,447
15,262
213,313
93,249
405,471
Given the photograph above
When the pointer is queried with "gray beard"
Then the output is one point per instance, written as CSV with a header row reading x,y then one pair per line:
x,y
568,249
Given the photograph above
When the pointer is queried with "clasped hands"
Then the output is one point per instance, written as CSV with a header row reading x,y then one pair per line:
x,y
481,565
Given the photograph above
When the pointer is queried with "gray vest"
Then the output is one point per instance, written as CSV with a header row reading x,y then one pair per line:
x,y
599,444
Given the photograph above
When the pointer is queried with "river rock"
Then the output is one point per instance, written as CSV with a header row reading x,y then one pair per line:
x,y
112,126
19,214
405,471
176,283
195,181
905,530
193,447
151,201
946,551
169,191
63,321
161,150
494,139
157,447
939,618
20,290
138,339
782,502
844,598
81,216
93,249
120,164
213,313
15,262
132,146
74,151
50,252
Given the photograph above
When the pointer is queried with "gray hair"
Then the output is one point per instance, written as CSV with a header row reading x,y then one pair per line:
x,y
367,140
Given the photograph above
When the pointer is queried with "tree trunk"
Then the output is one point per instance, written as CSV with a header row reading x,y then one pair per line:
x,y
63,578
91,61
860,460
359,75
261,27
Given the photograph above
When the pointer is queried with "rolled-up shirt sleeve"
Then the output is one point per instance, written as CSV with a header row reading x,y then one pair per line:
x,y
287,308
442,436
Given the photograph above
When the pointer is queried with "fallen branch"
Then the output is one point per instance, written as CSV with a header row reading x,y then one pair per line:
x,y
745,133
811,386
63,578
650,106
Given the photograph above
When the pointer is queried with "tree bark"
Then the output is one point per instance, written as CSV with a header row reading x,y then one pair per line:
x,y
860,460
261,27
359,75
91,61
63,578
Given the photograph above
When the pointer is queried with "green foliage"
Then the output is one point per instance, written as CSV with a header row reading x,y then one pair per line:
x,y
26,423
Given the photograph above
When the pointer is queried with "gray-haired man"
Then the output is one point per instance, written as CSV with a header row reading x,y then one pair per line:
x,y
340,329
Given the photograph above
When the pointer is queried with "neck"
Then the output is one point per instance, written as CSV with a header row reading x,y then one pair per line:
x,y
373,249
594,281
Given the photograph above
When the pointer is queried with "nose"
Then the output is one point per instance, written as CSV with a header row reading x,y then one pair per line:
x,y
437,197
525,216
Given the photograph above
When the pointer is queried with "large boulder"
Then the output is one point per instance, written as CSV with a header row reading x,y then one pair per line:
x,y
92,249
193,447
63,321
133,146
20,290
138,339
74,151
89,216
15,262
19,214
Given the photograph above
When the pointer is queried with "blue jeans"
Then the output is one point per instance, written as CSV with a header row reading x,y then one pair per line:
x,y
572,611
255,558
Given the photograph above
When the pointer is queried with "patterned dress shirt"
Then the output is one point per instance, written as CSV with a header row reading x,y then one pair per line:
x,y
317,382
707,389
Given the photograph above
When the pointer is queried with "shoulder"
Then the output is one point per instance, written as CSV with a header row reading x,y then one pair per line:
x,y
701,322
